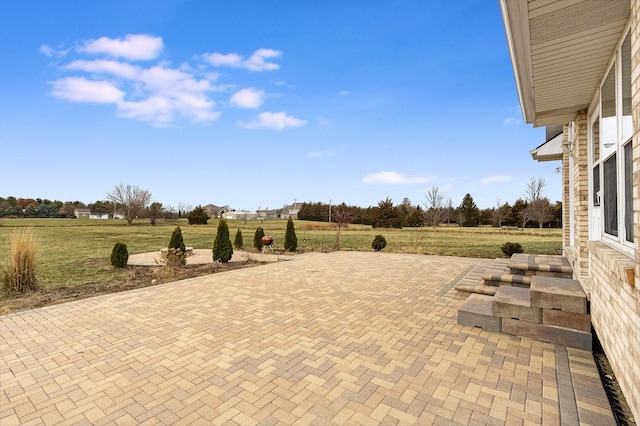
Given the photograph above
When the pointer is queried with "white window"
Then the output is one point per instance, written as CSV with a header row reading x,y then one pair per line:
x,y
611,153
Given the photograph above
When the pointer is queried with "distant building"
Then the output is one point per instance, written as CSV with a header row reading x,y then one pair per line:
x,y
291,211
82,213
214,211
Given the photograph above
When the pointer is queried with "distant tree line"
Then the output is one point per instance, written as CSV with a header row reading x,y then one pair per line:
x,y
532,211
132,202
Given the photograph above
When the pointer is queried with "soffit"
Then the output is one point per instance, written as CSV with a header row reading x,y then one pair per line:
x,y
551,150
560,51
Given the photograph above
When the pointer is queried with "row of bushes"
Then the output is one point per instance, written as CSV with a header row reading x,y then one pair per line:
x,y
120,256
222,247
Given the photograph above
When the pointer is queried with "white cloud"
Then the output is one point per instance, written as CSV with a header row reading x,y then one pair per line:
x,y
328,153
134,47
275,120
510,120
79,89
323,121
247,98
120,69
319,154
219,59
51,52
493,179
447,187
160,93
256,62
156,94
343,93
393,178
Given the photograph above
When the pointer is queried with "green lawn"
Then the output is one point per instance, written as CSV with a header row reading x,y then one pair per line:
x,y
77,251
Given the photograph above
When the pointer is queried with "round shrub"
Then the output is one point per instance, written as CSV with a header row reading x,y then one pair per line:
x,y
510,248
237,242
379,243
119,255
198,216
257,238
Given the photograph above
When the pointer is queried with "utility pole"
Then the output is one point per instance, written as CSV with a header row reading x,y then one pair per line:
x,y
329,210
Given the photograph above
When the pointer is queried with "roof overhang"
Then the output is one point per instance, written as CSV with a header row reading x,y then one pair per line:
x,y
551,150
560,51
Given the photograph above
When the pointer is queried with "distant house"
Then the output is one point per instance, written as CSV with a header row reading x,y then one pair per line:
x,y
288,211
214,211
82,213
270,214
239,214
98,215
291,211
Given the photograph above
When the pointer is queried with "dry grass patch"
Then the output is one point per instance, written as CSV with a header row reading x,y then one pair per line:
x,y
18,274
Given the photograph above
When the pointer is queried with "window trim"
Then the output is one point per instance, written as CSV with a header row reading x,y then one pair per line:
x,y
619,241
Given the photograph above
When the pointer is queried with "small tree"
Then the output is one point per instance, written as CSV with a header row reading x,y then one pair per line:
x,y
257,238
526,214
290,239
237,242
154,212
501,213
379,243
119,255
176,241
434,207
198,216
132,201
541,211
342,219
222,249
470,213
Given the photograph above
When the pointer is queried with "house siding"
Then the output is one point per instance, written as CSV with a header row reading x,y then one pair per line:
x,y
615,298
578,255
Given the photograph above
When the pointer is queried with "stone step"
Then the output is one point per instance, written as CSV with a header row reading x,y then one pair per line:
x,y
507,279
580,322
477,312
558,293
514,303
548,333
478,289
542,265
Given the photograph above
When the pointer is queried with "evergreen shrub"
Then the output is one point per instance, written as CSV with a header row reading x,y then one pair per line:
x,y
198,216
290,239
222,248
510,248
176,241
237,242
119,255
257,238
378,243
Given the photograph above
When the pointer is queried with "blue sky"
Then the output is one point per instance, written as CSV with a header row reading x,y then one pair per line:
x,y
257,104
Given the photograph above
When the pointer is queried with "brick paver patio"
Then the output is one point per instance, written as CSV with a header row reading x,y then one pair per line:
x,y
341,338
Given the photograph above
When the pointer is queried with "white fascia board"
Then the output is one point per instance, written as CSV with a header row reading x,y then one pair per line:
x,y
515,16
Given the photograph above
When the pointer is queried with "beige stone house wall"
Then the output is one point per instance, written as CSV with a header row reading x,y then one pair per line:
x,y
615,297
578,254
